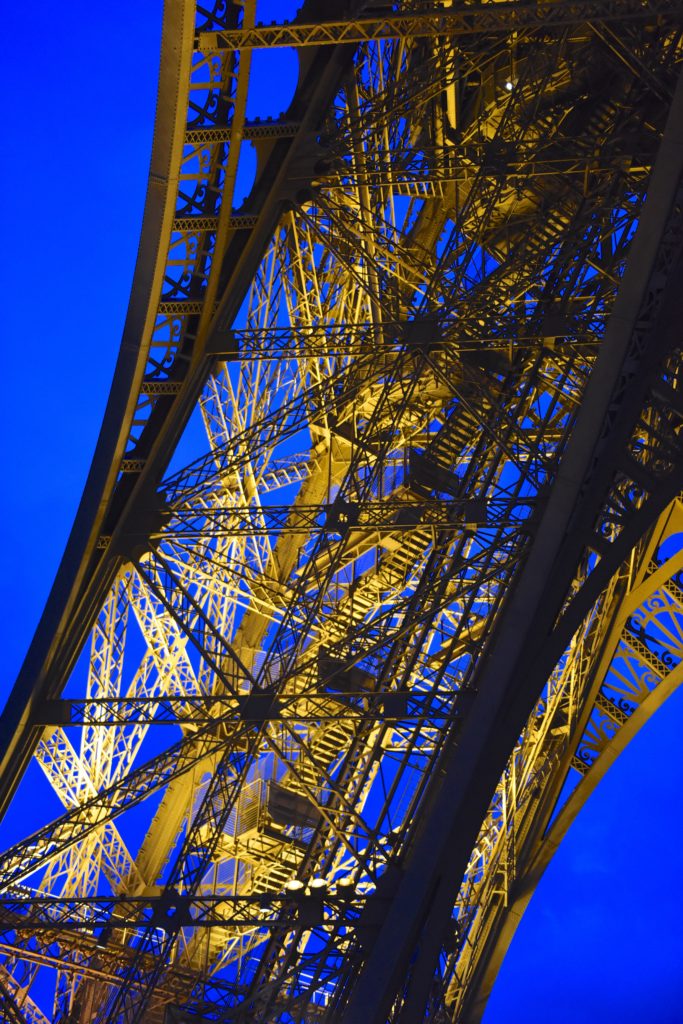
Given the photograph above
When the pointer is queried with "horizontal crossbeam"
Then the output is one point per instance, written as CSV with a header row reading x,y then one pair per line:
x,y
393,705
506,17
342,518
283,911
352,341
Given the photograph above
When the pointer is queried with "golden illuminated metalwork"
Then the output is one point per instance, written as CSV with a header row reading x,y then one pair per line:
x,y
418,580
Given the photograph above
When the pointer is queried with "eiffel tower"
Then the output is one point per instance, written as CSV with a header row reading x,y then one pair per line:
x,y
419,583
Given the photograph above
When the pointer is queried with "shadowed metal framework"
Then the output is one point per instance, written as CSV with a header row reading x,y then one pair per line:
x,y
421,582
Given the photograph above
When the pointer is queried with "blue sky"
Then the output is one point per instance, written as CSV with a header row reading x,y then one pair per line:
x,y
602,940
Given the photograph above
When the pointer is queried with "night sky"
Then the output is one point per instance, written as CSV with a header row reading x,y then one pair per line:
x,y
602,940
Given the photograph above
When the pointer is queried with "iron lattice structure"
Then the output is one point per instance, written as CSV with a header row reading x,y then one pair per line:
x,y
422,583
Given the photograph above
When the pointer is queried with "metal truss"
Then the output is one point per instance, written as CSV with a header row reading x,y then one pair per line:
x,y
420,581
475,18
621,667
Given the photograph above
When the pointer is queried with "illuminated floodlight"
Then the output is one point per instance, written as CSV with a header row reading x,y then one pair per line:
x,y
294,885
346,882
509,85
317,883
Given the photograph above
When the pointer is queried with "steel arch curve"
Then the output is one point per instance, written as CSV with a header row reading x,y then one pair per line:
x,y
457,365
82,544
633,670
127,466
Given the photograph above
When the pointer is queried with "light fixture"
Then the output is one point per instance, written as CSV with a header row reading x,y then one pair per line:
x,y
294,885
317,884
346,882
509,85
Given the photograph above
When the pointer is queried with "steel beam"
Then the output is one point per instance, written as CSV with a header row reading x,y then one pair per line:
x,y
495,17
409,939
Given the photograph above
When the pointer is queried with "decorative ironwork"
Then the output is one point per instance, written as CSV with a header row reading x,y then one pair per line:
x,y
436,360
